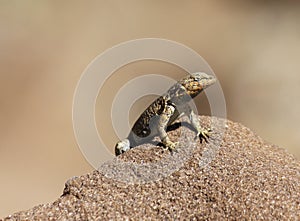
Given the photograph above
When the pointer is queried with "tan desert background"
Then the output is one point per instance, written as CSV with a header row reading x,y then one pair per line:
x,y
252,46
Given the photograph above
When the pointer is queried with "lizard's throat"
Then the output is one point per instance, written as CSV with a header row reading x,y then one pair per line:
x,y
194,93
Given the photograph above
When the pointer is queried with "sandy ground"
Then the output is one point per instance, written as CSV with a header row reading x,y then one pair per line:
x,y
236,176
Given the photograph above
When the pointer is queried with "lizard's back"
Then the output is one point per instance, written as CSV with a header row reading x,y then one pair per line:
x,y
145,128
142,127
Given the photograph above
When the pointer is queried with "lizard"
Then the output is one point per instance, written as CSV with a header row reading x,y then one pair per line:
x,y
165,110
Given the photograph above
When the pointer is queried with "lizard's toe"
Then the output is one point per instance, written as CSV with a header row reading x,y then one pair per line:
x,y
169,145
204,135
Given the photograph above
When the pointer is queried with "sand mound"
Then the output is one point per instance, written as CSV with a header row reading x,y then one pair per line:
x,y
236,176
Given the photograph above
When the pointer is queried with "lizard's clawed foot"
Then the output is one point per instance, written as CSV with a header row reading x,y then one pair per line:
x,y
204,134
169,145
122,146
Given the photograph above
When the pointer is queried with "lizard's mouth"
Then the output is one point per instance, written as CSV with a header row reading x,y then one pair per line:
x,y
207,82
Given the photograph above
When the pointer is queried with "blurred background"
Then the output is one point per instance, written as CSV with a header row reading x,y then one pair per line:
x,y
252,46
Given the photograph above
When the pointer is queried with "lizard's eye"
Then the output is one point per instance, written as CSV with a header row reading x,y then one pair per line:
x,y
196,79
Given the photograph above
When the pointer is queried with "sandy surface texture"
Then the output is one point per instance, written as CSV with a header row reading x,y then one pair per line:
x,y
236,176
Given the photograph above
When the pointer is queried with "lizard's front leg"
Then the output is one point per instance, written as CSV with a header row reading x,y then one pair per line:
x,y
162,126
202,133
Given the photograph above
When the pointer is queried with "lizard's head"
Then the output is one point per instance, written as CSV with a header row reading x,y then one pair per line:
x,y
196,82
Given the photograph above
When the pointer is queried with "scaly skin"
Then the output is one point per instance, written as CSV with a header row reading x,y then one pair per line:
x,y
165,110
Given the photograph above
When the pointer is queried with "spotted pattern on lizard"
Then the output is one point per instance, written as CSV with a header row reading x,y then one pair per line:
x,y
165,110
